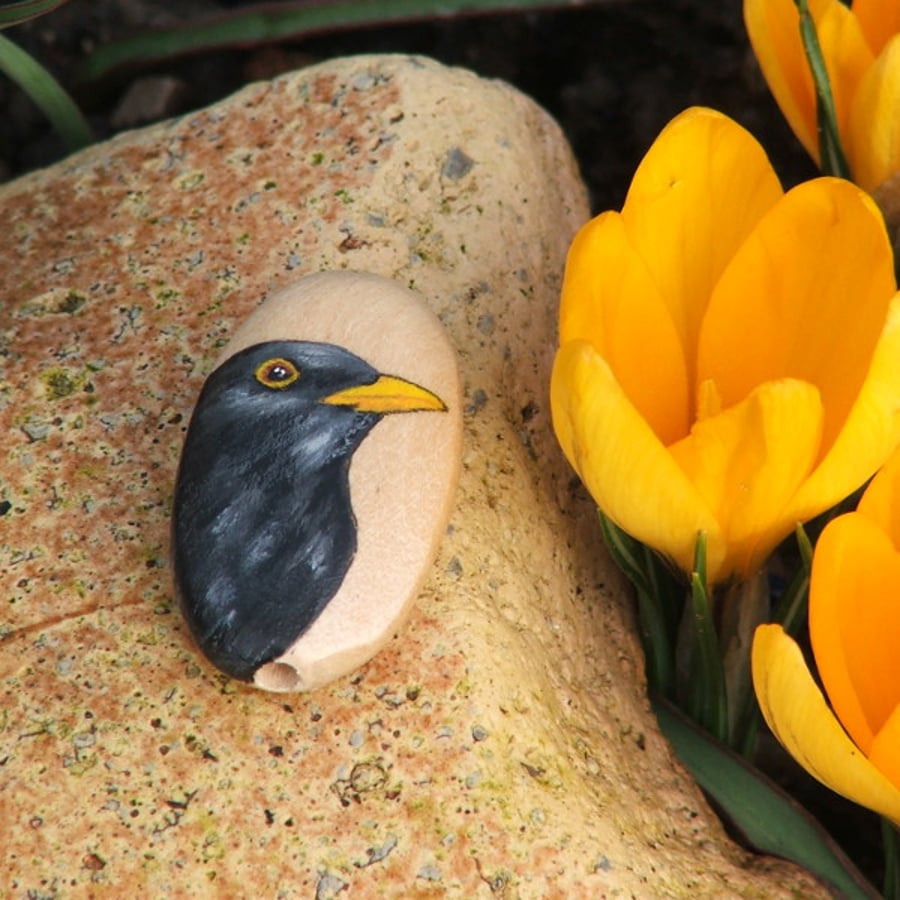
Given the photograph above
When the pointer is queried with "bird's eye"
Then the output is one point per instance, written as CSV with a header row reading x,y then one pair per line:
x,y
277,373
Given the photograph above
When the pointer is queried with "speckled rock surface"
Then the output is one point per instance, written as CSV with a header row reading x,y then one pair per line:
x,y
502,746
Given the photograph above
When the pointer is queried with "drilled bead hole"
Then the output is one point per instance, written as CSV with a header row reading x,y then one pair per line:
x,y
277,676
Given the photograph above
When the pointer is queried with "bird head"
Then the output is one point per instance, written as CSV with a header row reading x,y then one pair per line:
x,y
308,373
303,388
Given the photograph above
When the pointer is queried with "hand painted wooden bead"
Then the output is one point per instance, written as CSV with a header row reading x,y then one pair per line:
x,y
307,513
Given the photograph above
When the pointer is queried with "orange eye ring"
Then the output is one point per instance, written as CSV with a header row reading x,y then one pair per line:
x,y
277,373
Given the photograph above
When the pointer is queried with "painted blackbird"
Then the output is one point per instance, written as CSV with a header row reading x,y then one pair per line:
x,y
263,530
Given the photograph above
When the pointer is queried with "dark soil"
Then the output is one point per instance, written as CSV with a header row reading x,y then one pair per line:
x,y
612,73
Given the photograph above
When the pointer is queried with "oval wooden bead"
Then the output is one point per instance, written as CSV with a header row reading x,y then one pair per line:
x,y
317,480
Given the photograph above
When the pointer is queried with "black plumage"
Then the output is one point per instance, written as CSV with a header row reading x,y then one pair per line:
x,y
263,524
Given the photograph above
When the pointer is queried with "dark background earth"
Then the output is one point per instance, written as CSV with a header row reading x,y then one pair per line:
x,y
612,72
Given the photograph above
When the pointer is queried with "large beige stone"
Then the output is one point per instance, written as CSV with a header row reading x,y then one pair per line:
x,y
502,744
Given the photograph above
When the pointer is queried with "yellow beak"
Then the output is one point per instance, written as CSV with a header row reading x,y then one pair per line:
x,y
387,395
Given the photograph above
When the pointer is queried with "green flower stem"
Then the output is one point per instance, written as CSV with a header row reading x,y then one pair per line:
x,y
707,701
891,842
833,161
740,609
47,93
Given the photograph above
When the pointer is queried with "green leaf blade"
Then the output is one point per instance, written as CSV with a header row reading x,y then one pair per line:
x,y
833,160
23,10
47,93
707,697
265,22
771,820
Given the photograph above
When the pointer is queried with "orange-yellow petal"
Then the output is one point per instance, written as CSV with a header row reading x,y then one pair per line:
x,y
870,433
623,464
796,711
854,623
885,751
847,55
697,194
609,299
774,31
879,20
747,462
881,500
809,293
873,136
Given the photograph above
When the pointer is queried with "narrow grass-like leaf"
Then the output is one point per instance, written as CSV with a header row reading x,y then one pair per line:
x,y
23,10
266,22
47,93
669,587
769,819
706,695
626,552
638,564
792,607
658,652
669,593
804,545
833,161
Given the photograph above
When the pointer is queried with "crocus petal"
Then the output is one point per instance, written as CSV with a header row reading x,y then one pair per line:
x,y
847,55
873,138
786,292
796,711
609,299
748,461
623,464
697,194
854,623
879,20
885,751
774,31
880,502
869,435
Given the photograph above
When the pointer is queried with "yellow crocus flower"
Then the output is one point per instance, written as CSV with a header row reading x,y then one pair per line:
x,y
861,50
729,356
854,625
